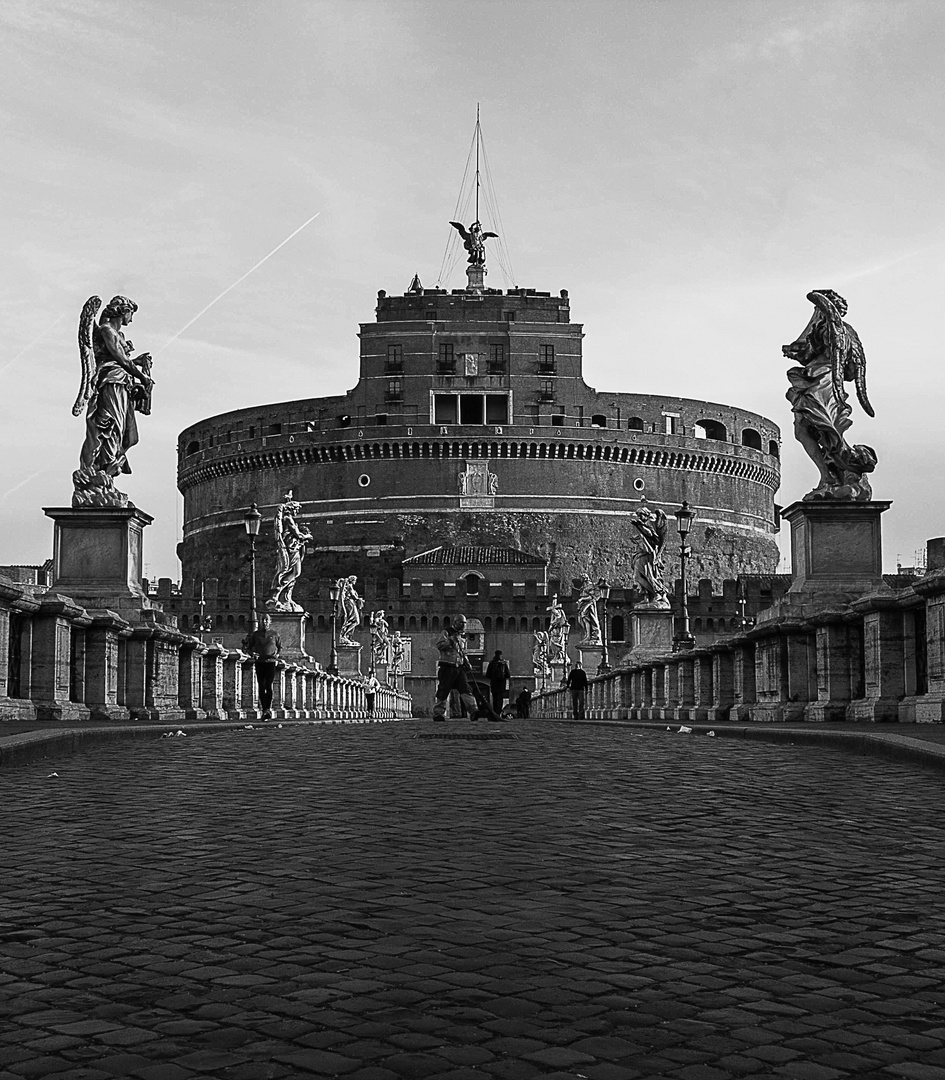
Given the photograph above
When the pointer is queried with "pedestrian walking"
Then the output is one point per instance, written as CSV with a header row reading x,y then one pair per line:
x,y
451,670
370,693
264,645
577,684
498,674
524,703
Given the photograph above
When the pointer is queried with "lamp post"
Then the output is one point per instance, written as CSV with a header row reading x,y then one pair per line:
x,y
204,624
251,522
604,589
684,640
334,592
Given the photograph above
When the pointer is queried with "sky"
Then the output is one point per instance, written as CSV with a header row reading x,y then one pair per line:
x,y
687,170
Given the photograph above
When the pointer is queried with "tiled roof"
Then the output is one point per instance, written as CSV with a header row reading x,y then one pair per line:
x,y
474,556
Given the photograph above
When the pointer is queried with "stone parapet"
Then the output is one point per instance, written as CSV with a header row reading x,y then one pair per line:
x,y
64,661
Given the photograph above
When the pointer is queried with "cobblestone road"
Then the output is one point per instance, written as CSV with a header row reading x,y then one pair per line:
x,y
361,902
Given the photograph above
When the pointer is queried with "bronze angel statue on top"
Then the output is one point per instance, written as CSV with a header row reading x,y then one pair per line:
x,y
115,385
830,355
474,241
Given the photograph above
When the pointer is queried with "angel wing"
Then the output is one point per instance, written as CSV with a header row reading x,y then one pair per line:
x,y
857,361
660,526
86,355
461,228
486,235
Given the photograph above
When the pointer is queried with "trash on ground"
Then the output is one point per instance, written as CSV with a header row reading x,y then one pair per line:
x,y
51,775
684,730
710,733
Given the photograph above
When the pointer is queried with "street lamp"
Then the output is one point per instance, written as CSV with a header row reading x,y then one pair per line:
x,y
684,518
252,519
335,593
604,590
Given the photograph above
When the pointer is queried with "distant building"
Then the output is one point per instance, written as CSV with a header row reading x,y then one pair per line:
x,y
472,468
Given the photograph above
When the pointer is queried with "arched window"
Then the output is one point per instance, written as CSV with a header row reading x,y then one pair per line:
x,y
321,622
193,447
230,622
710,429
423,622
773,448
751,438
435,623
536,624
524,624
635,423
472,584
412,622
499,622
241,622
401,623
616,628
598,420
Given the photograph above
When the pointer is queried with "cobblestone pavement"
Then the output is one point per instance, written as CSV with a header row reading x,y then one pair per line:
x,y
365,902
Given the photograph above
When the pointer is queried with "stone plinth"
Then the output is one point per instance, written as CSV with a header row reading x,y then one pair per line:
x,y
836,552
590,657
290,626
97,556
349,660
651,632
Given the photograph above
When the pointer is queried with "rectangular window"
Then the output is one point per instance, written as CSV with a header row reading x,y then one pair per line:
x,y
395,390
395,360
470,409
497,362
546,390
557,420
446,362
274,429
497,409
670,423
546,360
444,409
380,419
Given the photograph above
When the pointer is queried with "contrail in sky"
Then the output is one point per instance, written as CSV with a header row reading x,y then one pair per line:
x,y
235,283
23,483
35,341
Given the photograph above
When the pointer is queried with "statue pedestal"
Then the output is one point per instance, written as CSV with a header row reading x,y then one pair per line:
x,y
651,632
590,657
349,660
97,556
559,674
836,552
476,278
290,626
381,673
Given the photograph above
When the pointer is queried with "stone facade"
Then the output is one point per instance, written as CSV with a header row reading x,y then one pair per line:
x,y
471,426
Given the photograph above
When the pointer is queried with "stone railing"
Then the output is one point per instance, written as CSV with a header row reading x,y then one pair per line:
x,y
62,662
879,658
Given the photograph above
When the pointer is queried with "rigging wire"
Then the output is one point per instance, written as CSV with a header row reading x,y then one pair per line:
x,y
453,237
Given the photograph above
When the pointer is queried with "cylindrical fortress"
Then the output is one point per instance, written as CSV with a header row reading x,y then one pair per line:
x,y
471,424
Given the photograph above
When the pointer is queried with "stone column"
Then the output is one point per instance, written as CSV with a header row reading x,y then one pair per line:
x,y
930,706
190,678
685,687
703,688
232,685
744,689
101,666
51,667
163,687
723,683
834,661
884,660
658,691
670,709
278,690
248,704
212,683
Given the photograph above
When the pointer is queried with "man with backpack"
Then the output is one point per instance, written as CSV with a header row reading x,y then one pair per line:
x,y
498,675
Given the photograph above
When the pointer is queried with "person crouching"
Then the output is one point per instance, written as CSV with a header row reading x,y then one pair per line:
x,y
451,669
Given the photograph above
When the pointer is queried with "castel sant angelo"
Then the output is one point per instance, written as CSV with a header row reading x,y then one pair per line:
x,y
472,468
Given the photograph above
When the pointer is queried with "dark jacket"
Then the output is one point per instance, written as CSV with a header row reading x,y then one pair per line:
x,y
498,672
577,679
263,644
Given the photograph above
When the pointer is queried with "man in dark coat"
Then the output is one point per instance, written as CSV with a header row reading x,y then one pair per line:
x,y
498,675
265,645
577,684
